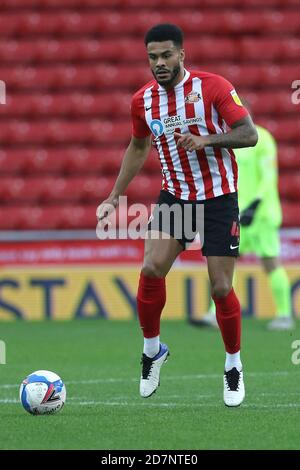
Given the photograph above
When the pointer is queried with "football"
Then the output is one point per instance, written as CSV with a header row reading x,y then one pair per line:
x,y
42,392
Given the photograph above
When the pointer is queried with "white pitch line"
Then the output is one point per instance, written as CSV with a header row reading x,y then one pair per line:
x,y
9,400
185,405
170,377
137,400
172,405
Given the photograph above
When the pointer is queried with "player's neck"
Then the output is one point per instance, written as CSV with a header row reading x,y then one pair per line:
x,y
177,80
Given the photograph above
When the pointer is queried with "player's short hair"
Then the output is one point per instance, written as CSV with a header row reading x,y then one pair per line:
x,y
164,32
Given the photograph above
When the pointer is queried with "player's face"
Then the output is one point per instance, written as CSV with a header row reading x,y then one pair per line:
x,y
166,62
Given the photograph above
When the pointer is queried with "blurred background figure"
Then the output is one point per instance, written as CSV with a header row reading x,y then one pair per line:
x,y
260,220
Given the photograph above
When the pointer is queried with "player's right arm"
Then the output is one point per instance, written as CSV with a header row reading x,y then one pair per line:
x,y
133,160
134,157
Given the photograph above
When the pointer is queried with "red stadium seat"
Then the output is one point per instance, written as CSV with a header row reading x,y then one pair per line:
x,y
41,218
45,161
129,50
30,218
289,185
77,189
12,161
289,157
144,188
129,4
273,48
290,214
79,217
48,217
263,102
71,67
63,131
21,190
111,23
61,189
12,4
95,161
152,164
285,130
9,218
107,76
40,22
285,188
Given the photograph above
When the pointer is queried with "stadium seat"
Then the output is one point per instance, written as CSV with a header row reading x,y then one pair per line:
x,y
128,50
121,4
289,157
144,188
40,218
12,161
20,190
107,22
72,66
152,164
99,160
262,102
83,217
289,185
9,218
106,76
285,130
269,49
46,161
61,190
290,214
76,189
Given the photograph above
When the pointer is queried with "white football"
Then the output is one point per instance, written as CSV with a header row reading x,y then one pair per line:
x,y
42,392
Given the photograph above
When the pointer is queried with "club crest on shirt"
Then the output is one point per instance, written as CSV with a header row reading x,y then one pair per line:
x,y
192,97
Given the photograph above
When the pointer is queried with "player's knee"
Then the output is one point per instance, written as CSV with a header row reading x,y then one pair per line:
x,y
153,269
220,289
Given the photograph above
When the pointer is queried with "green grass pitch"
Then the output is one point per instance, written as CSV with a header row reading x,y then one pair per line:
x,y
99,362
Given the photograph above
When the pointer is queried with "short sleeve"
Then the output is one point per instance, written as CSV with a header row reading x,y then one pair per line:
x,y
227,101
140,128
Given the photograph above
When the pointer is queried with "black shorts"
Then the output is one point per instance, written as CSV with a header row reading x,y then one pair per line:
x,y
218,228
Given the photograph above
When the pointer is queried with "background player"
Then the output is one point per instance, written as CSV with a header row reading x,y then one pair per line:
x,y
260,219
198,166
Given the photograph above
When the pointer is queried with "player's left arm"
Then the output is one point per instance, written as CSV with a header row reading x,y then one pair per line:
x,y
242,131
242,134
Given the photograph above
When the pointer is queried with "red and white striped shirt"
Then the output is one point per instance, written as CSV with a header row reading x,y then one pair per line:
x,y
202,103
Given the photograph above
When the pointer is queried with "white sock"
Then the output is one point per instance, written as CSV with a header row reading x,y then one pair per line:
x,y
151,346
233,360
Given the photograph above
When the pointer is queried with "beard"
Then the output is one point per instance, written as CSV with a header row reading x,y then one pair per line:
x,y
169,81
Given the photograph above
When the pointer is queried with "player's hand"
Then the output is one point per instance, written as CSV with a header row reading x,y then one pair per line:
x,y
190,142
105,209
247,215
